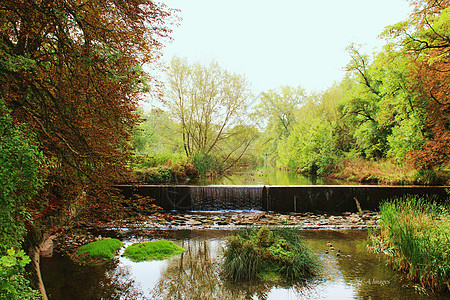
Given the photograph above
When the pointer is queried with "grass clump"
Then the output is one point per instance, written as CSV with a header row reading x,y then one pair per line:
x,y
97,252
253,254
415,233
156,250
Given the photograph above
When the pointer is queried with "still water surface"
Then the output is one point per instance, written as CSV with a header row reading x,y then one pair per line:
x,y
268,177
356,274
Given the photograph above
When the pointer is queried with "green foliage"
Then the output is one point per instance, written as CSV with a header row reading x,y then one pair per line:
x,y
415,234
165,171
156,250
97,252
209,104
205,163
406,137
20,178
157,137
13,284
255,254
160,159
310,150
424,176
156,175
276,116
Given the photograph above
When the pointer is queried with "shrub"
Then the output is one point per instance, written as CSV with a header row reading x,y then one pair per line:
x,y
97,252
156,160
13,284
156,250
205,163
428,177
253,254
20,177
179,172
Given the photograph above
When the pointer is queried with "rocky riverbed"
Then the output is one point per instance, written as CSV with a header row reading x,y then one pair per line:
x,y
158,224
237,219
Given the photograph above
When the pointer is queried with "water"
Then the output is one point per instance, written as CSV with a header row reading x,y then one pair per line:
x,y
268,177
356,274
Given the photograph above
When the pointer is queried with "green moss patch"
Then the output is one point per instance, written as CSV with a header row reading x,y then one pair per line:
x,y
157,250
97,252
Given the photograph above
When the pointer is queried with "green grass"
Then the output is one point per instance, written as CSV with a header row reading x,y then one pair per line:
x,y
415,233
97,252
157,250
253,254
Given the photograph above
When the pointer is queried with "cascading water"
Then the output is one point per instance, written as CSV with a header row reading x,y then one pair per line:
x,y
330,199
212,198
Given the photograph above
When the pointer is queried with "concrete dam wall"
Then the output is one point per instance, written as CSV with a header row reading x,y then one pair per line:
x,y
313,198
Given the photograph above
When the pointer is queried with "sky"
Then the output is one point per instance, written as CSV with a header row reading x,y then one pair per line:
x,y
283,42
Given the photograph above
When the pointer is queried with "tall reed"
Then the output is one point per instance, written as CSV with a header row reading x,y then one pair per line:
x,y
415,232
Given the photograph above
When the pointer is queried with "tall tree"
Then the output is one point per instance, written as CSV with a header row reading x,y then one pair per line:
x,y
425,39
208,102
73,71
276,112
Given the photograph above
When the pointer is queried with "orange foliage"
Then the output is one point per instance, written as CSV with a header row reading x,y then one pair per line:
x,y
72,71
432,77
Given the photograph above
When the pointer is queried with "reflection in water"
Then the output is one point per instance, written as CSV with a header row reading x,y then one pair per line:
x,y
196,275
355,274
65,280
268,177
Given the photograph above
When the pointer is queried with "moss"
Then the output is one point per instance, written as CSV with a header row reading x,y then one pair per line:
x,y
157,250
97,252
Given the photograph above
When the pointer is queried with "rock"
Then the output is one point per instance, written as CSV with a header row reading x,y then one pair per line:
x,y
222,223
193,222
46,247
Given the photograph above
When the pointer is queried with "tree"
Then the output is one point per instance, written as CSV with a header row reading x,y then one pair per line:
x,y
208,102
72,70
424,39
276,111
156,134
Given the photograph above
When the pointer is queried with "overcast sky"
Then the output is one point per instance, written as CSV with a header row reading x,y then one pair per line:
x,y
283,42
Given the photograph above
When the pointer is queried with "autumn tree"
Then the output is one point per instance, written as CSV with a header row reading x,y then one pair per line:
x,y
426,38
209,103
72,70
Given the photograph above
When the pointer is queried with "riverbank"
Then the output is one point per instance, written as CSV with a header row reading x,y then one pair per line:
x,y
386,172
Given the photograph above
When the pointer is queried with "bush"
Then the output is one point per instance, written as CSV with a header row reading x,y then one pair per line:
x,y
179,172
415,234
427,177
205,163
20,177
156,175
13,284
156,250
255,254
156,160
97,252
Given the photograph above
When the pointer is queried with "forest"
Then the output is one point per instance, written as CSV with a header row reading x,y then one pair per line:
x,y
72,78
386,121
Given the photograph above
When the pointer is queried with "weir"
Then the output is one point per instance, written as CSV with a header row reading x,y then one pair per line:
x,y
277,198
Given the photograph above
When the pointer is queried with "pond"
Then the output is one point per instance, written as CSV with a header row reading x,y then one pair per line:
x,y
268,177
355,274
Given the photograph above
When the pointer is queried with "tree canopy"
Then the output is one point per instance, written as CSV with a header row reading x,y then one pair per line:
x,y
72,70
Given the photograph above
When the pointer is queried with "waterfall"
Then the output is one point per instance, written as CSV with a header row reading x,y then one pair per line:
x,y
212,198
